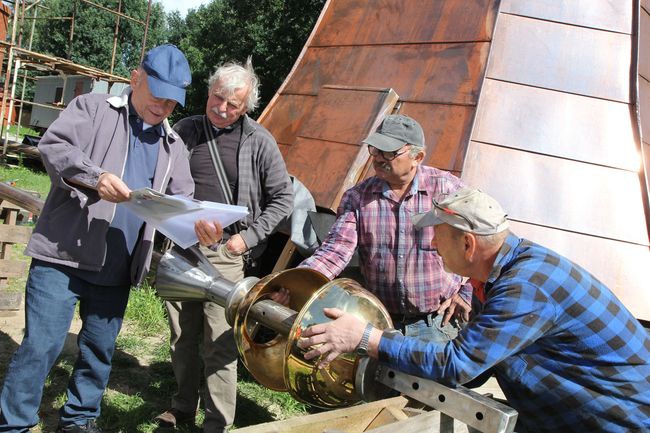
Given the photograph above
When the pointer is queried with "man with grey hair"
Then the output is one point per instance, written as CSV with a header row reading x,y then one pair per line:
x,y
397,261
566,352
233,159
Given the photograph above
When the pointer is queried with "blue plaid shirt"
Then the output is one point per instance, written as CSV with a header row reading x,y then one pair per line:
x,y
566,353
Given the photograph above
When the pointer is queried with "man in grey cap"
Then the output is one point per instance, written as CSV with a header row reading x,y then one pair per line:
x,y
567,353
87,250
397,261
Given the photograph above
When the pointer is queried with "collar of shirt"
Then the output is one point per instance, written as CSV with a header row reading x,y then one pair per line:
x,y
506,253
226,129
382,187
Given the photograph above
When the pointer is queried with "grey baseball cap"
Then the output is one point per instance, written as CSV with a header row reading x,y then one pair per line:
x,y
395,131
467,209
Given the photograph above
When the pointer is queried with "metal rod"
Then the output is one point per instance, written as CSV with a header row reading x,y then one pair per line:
x,y
273,315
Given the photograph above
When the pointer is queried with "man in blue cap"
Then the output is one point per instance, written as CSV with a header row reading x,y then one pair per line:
x,y
85,249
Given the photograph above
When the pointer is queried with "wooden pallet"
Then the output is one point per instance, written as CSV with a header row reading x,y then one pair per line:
x,y
11,233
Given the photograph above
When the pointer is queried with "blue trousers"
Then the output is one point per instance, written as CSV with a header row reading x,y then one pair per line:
x,y
429,328
51,296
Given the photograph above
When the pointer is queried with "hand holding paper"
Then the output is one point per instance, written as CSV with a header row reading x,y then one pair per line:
x,y
176,216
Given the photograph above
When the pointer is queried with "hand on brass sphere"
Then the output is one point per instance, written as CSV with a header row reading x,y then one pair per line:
x,y
454,307
329,340
208,233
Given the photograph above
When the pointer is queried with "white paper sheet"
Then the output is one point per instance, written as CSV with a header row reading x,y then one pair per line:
x,y
174,216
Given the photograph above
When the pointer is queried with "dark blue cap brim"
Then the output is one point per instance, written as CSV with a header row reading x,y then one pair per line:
x,y
161,89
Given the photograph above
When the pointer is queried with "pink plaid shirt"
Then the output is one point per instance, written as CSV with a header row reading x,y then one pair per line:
x,y
397,261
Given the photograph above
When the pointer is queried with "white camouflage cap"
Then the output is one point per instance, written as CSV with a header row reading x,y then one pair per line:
x,y
467,209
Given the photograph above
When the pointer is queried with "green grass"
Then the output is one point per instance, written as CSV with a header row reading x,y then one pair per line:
x,y
26,179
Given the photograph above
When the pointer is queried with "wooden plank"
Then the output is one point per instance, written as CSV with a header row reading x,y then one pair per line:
x,y
10,300
446,131
559,193
387,415
382,22
335,419
12,268
14,234
345,115
327,156
561,57
609,15
555,123
425,422
440,73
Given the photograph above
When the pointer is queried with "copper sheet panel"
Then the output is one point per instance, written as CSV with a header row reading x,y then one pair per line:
x,y
644,44
445,73
327,169
446,132
349,22
327,155
287,115
555,123
346,115
618,265
561,57
613,15
560,193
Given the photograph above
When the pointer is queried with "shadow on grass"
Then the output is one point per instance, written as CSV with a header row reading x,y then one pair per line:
x,y
137,392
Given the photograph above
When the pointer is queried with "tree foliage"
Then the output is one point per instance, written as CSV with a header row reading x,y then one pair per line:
x,y
273,32
93,33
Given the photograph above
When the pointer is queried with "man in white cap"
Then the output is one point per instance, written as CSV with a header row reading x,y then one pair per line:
x,y
566,352
85,249
396,260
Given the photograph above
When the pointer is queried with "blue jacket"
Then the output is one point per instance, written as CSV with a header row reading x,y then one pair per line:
x,y
565,351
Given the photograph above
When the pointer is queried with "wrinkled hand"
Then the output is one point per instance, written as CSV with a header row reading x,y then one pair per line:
x,y
112,188
236,245
342,335
281,296
208,233
454,306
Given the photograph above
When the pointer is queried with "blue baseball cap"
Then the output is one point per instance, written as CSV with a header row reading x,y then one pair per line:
x,y
168,73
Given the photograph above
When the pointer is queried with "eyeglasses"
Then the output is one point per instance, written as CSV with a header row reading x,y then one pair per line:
x,y
454,213
388,156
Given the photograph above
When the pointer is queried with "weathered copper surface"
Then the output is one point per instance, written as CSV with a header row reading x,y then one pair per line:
x,y
560,193
614,15
556,123
350,22
562,57
447,73
554,127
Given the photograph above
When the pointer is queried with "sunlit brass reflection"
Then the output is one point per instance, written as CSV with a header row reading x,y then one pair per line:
x,y
266,333
333,386
261,350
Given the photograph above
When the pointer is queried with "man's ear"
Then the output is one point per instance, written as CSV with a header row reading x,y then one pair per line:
x,y
135,75
469,244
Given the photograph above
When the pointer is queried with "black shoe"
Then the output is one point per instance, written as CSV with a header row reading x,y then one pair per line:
x,y
89,427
